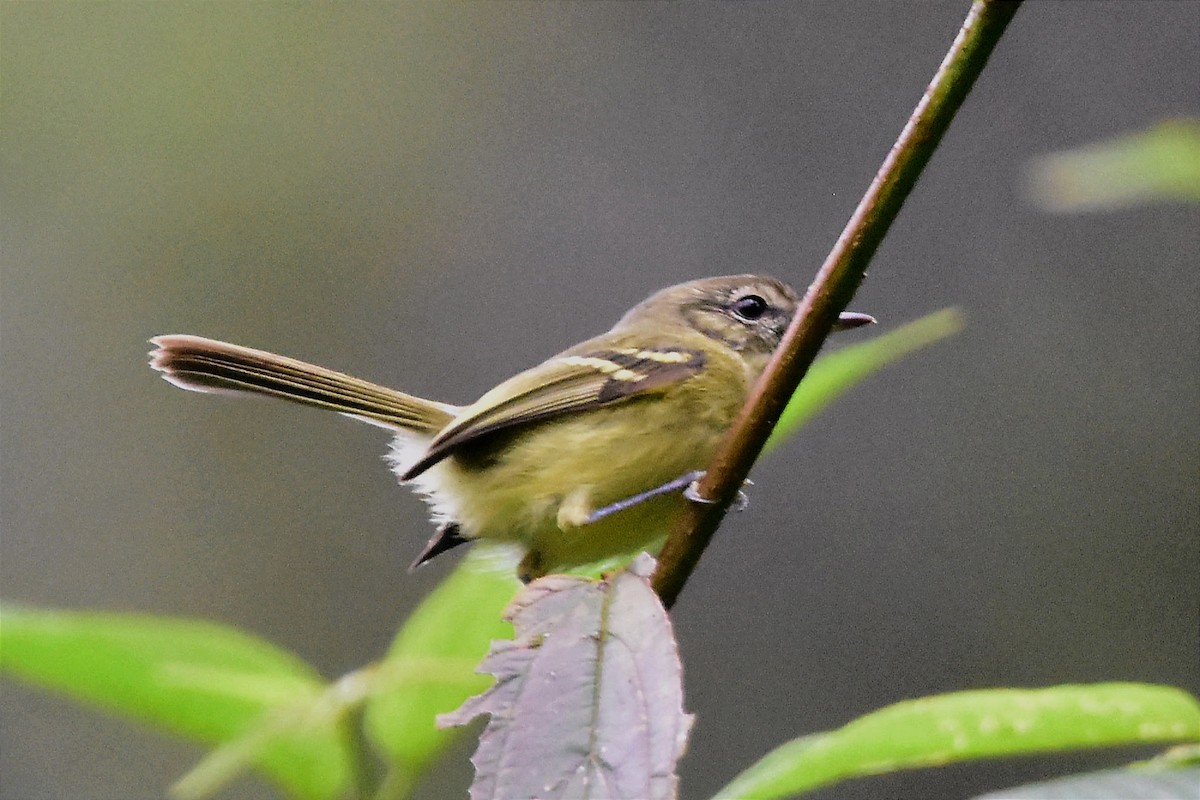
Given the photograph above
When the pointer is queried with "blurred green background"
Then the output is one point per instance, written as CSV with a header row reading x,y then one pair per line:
x,y
435,196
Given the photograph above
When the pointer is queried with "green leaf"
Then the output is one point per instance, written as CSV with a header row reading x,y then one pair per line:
x,y
1178,757
834,374
1162,163
199,680
338,706
1126,784
430,667
963,726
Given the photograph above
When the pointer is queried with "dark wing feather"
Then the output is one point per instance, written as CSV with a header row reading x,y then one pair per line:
x,y
563,385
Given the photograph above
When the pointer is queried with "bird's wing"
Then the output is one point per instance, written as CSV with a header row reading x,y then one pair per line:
x,y
569,383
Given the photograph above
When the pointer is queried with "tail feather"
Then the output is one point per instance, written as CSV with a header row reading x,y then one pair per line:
x,y
207,365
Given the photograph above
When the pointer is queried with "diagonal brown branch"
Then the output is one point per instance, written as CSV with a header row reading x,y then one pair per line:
x,y
832,290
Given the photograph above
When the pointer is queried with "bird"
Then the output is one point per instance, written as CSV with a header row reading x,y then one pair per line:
x,y
578,459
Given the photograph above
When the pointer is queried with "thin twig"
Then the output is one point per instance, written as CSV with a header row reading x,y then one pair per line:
x,y
832,290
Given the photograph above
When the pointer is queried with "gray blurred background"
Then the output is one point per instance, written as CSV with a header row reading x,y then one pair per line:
x,y
435,196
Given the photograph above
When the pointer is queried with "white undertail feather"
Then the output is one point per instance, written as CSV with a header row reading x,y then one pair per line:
x,y
406,449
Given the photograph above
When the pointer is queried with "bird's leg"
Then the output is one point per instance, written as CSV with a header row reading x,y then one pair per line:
x,y
576,508
685,482
633,500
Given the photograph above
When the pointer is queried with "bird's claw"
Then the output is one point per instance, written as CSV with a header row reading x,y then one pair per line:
x,y
740,503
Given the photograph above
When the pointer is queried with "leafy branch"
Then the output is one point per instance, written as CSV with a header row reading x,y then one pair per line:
x,y
830,293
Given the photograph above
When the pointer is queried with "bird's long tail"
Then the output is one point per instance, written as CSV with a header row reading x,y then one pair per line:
x,y
207,365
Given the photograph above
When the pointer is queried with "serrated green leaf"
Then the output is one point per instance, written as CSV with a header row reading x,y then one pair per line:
x,y
199,680
971,725
430,667
832,375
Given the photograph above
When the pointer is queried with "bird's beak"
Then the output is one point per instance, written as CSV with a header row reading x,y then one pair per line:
x,y
852,319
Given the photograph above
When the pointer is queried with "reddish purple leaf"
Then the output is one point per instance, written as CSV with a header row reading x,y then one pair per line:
x,y
588,699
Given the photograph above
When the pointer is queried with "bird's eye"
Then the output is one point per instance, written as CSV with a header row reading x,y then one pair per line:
x,y
749,307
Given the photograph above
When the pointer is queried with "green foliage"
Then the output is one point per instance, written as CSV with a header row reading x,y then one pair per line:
x,y
202,681
834,374
1126,784
430,667
965,726
263,708
1160,163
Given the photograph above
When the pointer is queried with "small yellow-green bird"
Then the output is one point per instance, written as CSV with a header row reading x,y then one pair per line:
x,y
578,459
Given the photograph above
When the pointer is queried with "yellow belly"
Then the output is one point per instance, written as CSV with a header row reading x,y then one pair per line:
x,y
583,461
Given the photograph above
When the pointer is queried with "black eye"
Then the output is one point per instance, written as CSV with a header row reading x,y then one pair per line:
x,y
749,307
